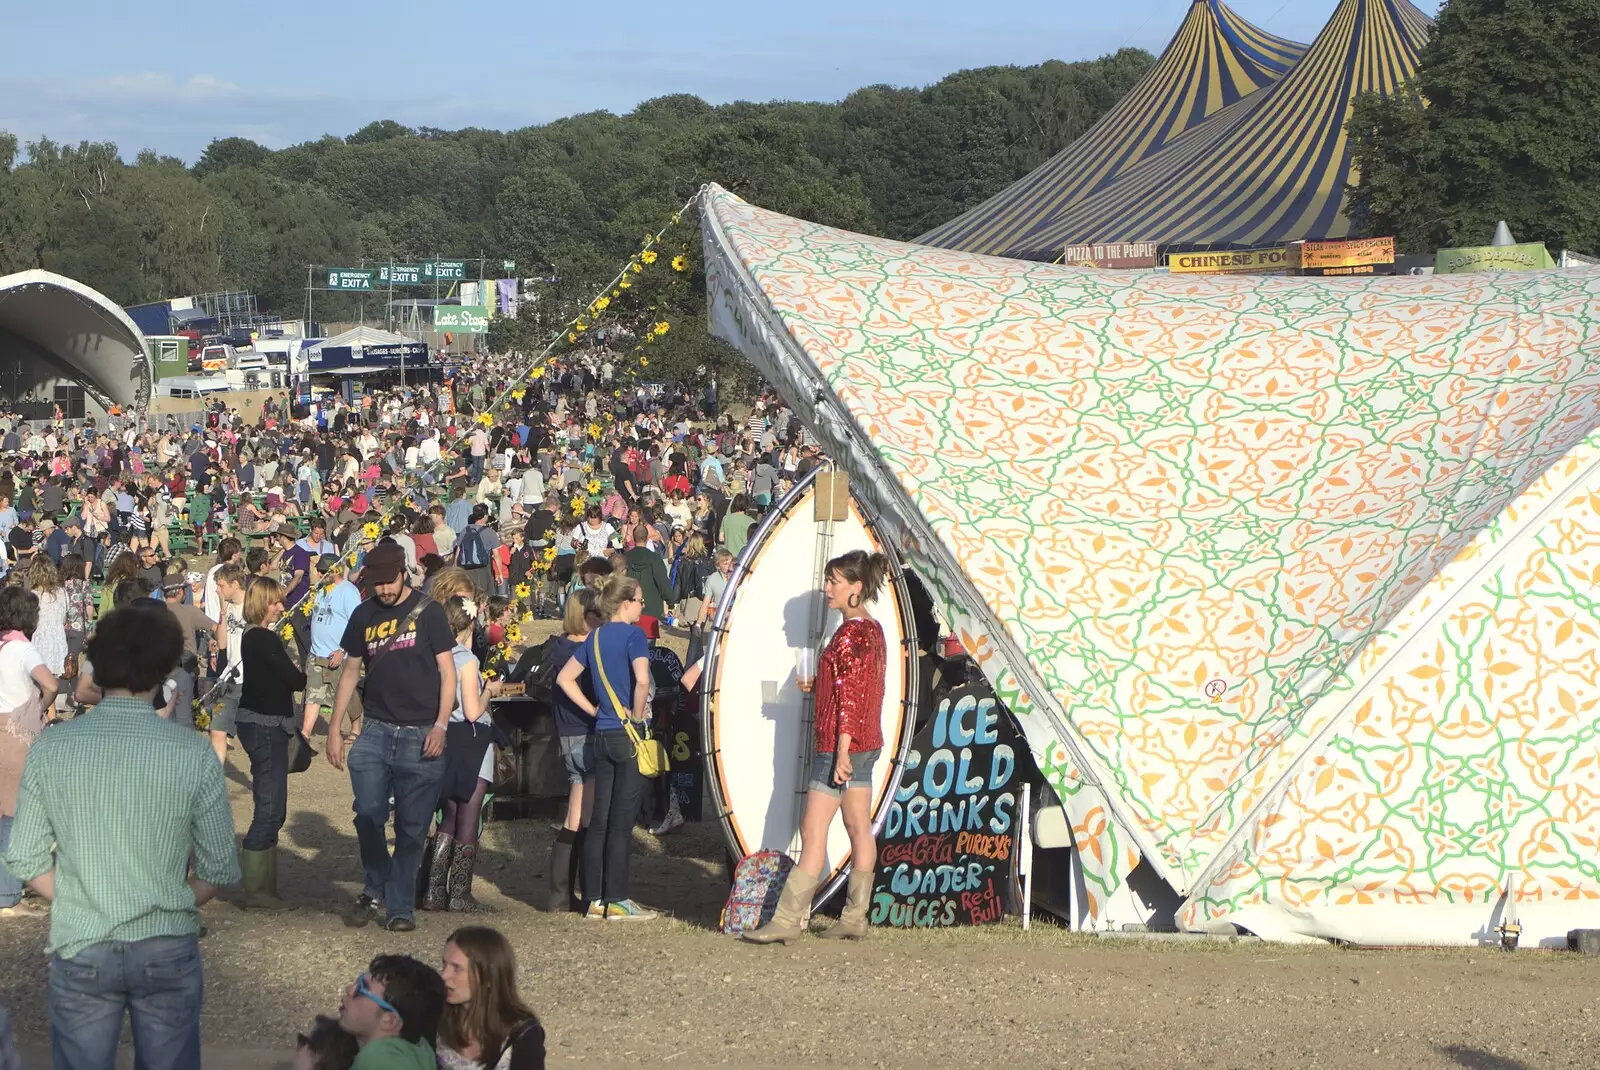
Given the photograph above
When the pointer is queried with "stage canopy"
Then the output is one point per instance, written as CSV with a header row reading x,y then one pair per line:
x,y
1287,580
1269,168
1215,60
70,331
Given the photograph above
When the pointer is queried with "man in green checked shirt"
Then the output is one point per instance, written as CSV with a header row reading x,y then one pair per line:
x,y
125,798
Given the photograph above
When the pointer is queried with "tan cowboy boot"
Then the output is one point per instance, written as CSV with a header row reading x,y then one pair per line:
x,y
789,921
852,923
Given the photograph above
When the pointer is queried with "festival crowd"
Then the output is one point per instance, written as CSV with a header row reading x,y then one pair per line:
x,y
373,561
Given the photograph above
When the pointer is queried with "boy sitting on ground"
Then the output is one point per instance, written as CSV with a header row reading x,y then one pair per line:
x,y
393,1012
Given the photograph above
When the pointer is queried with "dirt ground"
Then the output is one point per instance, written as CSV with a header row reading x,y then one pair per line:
x,y
677,993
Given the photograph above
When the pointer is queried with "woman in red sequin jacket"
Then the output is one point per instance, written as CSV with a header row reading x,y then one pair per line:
x,y
849,735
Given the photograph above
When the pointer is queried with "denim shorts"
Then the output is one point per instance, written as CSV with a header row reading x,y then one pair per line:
x,y
861,763
577,754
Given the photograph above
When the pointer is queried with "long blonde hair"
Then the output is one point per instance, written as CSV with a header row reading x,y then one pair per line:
x,y
43,578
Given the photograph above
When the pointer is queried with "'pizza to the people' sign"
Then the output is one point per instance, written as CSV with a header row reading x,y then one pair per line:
x,y
946,850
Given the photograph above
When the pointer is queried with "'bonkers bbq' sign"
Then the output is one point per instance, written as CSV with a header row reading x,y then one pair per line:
x,y
946,852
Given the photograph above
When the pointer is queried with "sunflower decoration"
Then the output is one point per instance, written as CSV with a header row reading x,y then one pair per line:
x,y
549,553
577,507
513,634
287,631
489,674
635,267
648,256
571,337
625,284
644,362
594,430
486,419
518,394
661,328
370,531
594,486
680,263
523,590
536,373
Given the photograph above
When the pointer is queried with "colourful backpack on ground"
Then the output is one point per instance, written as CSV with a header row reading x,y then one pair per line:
x,y
758,882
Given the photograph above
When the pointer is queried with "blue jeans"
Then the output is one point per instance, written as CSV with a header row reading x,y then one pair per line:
x,y
618,791
268,749
157,981
10,887
386,760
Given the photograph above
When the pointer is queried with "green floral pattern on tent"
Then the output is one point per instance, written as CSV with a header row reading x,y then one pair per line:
x,y
1175,508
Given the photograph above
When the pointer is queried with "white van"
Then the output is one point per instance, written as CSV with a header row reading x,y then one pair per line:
x,y
191,387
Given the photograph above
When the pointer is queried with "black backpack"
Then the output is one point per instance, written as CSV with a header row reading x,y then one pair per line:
x,y
537,670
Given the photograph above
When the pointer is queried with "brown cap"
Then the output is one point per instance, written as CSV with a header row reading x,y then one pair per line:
x,y
384,563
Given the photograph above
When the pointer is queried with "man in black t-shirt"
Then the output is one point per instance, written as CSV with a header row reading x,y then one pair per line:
x,y
403,642
20,541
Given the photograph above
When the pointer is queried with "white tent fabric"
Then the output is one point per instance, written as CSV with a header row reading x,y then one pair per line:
x,y
360,338
1177,519
80,330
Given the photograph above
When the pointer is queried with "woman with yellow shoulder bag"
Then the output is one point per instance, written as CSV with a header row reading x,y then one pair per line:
x,y
614,667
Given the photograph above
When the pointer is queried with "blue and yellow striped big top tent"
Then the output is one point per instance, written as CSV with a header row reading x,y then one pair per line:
x,y
1234,138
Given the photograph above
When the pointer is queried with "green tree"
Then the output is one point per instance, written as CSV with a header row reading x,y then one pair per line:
x,y
570,200
1510,130
227,152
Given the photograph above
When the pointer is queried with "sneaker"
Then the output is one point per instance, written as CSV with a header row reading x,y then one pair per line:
x,y
669,824
400,925
363,910
596,911
628,910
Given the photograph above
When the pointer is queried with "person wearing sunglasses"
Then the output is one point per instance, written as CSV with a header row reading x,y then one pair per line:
x,y
393,1012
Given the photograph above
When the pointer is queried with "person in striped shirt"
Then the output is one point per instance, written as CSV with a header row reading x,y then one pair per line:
x,y
123,798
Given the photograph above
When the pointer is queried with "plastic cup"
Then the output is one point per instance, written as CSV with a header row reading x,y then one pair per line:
x,y
805,666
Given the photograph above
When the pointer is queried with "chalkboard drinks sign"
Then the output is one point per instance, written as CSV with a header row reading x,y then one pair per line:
x,y
946,851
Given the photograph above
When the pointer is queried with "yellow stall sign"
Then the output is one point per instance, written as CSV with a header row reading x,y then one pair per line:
x,y
1364,252
1276,260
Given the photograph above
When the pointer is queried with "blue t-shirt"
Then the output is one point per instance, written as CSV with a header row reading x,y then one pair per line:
x,y
570,719
620,644
329,617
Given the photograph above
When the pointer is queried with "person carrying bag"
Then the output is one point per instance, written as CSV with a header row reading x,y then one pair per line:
x,y
269,732
616,652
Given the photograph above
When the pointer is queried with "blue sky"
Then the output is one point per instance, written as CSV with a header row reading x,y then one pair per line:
x,y
172,75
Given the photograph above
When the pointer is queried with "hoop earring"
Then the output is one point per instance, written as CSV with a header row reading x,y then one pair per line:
x,y
855,601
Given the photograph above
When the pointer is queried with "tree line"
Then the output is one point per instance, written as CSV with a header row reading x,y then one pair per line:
x,y
568,201
1503,122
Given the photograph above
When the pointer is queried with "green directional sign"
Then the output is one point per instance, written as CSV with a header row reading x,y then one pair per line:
x,y
400,275
444,270
350,278
465,319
